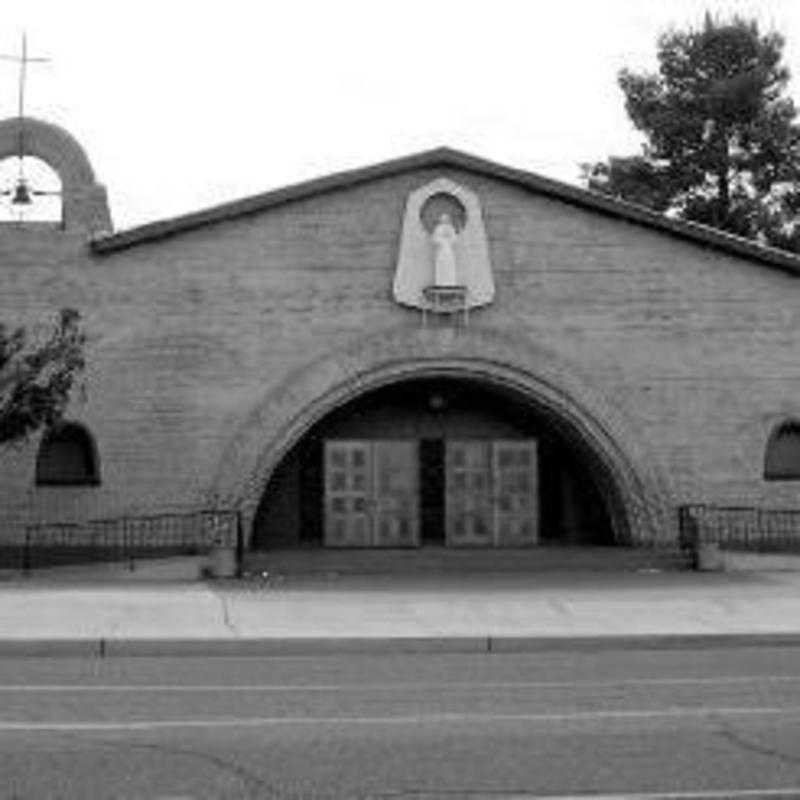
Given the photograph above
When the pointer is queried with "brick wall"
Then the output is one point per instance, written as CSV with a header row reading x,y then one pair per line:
x,y
697,351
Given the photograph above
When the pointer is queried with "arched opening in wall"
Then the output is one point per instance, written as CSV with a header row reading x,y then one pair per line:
x,y
30,191
440,462
782,456
67,457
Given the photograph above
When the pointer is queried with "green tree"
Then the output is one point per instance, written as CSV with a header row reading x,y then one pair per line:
x,y
37,373
721,144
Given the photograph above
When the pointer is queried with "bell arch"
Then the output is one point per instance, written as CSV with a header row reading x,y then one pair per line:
x,y
640,494
84,201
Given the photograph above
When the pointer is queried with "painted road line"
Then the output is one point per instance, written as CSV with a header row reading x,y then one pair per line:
x,y
718,794
345,687
415,719
711,794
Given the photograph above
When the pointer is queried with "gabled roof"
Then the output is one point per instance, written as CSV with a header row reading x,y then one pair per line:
x,y
444,157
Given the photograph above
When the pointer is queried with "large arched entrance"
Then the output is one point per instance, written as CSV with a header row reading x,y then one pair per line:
x,y
440,461
425,386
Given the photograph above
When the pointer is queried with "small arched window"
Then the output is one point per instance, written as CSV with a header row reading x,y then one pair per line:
x,y
782,459
67,457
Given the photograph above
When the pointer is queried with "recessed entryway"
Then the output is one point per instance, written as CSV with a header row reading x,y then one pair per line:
x,y
465,464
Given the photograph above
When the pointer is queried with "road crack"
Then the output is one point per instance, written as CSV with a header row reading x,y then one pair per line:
x,y
226,615
743,743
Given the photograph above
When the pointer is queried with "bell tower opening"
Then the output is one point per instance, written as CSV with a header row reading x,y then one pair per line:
x,y
30,191
45,176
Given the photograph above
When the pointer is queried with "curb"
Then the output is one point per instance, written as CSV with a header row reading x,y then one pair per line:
x,y
440,645
50,648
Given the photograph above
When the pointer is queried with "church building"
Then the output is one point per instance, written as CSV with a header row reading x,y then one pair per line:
x,y
435,351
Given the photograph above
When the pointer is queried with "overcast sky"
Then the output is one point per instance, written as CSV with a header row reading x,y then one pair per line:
x,y
181,105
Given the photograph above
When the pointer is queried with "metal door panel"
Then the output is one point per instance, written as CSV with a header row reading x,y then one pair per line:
x,y
348,492
396,493
516,494
468,491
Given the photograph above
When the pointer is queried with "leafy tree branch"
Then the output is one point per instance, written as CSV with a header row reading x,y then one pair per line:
x,y
37,372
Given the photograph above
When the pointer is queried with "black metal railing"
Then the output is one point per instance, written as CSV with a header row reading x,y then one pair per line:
x,y
766,530
125,538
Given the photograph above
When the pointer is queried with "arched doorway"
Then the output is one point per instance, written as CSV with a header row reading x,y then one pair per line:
x,y
598,433
470,462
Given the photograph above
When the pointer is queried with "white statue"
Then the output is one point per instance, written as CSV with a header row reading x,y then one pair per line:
x,y
453,252
444,237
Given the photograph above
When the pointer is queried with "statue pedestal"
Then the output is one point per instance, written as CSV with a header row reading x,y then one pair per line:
x,y
445,300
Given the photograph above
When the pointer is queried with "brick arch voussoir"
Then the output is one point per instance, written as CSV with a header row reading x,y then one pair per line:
x,y
55,146
285,413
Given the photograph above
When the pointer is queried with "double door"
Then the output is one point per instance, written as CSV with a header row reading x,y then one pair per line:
x,y
492,493
372,493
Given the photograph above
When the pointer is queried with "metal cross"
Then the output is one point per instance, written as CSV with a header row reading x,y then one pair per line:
x,y
23,62
22,193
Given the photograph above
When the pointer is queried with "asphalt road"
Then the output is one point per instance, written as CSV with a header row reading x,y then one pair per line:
x,y
721,723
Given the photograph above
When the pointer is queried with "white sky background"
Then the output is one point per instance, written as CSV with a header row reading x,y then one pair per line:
x,y
182,105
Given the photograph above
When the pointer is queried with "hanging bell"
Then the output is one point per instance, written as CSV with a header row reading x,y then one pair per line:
x,y
22,194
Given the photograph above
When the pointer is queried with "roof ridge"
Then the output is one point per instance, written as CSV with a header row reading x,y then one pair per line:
x,y
450,157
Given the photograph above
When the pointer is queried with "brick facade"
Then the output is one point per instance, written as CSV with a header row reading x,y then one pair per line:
x,y
212,349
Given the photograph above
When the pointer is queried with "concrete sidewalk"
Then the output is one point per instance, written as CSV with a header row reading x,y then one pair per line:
x,y
430,612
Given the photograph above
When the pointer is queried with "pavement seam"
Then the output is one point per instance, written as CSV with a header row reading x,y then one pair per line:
x,y
108,647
